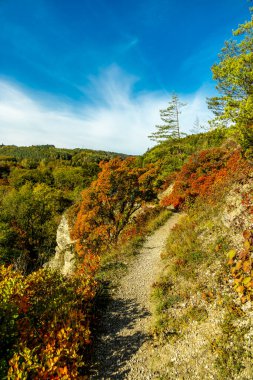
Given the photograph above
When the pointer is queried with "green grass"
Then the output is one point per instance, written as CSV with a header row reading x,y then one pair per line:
x,y
190,250
159,220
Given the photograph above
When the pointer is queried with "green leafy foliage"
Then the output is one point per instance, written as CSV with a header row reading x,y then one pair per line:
x,y
171,155
29,218
234,76
36,185
31,155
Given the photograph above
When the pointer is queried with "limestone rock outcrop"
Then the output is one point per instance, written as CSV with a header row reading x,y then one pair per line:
x,y
64,258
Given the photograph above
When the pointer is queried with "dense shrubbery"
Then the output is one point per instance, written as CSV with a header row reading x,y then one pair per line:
x,y
203,172
36,185
108,204
29,218
45,324
45,318
171,155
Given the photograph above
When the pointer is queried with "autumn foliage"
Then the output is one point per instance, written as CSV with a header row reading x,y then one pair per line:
x,y
108,204
45,324
204,171
45,317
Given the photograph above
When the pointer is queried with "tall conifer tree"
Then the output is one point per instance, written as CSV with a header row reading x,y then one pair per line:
x,y
171,127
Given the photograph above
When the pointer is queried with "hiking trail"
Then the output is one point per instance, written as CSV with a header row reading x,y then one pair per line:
x,y
123,349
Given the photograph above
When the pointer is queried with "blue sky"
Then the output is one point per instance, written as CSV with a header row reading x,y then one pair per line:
x,y
95,73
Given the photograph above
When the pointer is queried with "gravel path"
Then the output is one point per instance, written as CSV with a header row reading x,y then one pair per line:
x,y
122,349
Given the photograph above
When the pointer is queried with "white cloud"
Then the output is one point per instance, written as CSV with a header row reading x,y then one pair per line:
x,y
116,120
196,107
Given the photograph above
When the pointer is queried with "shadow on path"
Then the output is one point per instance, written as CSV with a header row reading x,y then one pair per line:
x,y
119,337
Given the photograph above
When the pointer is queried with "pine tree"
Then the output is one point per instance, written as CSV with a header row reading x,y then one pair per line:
x,y
170,130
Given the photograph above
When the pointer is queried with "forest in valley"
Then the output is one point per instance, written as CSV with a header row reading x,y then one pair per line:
x,y
112,202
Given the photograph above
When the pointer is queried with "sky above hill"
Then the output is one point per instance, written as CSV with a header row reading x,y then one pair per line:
x,y
94,73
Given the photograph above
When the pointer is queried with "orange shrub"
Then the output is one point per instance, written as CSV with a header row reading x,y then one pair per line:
x,y
109,203
203,171
45,324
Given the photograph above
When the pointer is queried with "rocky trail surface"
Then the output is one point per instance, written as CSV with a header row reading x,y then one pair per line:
x,y
124,346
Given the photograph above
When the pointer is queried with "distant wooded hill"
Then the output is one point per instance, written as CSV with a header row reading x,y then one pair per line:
x,y
50,152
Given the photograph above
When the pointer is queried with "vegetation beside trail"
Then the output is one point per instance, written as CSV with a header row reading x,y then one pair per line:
x,y
172,154
203,300
46,318
207,280
206,286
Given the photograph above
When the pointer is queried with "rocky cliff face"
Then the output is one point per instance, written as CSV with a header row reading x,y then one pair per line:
x,y
64,259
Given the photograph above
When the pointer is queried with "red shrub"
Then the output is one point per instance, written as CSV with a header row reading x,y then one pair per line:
x,y
203,171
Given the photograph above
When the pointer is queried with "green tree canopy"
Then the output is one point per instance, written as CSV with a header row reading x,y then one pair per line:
x,y
234,76
29,218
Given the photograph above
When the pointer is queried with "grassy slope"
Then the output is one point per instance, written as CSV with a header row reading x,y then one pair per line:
x,y
203,326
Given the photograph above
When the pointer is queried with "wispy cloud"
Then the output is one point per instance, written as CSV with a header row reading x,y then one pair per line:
x,y
117,119
129,45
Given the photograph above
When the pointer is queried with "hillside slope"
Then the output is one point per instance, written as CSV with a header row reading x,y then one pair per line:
x,y
200,325
204,296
